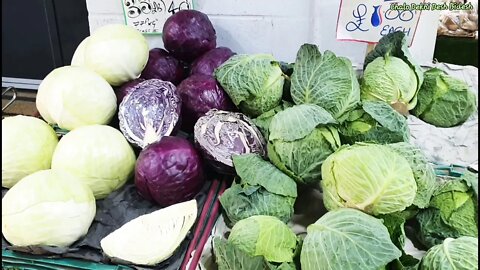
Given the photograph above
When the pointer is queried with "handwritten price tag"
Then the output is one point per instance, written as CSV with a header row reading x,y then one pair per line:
x,y
149,16
369,20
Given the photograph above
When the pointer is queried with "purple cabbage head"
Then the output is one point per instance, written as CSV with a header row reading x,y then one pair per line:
x,y
200,94
169,171
161,65
126,88
149,112
208,62
188,34
221,134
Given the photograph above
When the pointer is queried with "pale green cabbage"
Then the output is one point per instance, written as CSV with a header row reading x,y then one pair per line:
x,y
422,171
369,177
391,80
301,138
99,155
117,52
27,146
152,238
49,207
253,82
264,236
452,254
347,239
444,101
72,97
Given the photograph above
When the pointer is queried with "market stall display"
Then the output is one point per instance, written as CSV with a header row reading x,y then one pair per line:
x,y
271,132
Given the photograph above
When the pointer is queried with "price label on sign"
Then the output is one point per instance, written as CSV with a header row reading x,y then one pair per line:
x,y
149,16
370,20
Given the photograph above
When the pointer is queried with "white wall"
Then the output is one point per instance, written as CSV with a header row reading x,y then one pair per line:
x,y
278,27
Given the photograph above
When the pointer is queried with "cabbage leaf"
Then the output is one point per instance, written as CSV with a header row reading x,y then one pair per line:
x,y
347,239
325,80
263,190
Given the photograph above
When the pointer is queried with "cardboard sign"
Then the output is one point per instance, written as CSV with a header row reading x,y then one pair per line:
x,y
370,20
149,16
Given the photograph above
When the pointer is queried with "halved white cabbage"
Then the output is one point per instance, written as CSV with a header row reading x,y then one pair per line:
x,y
152,238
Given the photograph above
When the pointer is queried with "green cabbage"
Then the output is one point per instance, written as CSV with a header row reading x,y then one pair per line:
x,y
369,177
452,254
390,80
325,80
263,121
452,212
444,101
48,208
72,97
375,122
253,82
99,155
301,138
116,52
347,239
264,236
422,171
262,190
27,146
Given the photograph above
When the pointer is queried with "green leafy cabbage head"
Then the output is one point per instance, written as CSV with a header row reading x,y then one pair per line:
x,y
253,82
326,80
375,122
391,80
264,236
262,190
300,139
368,177
452,212
347,239
460,254
444,101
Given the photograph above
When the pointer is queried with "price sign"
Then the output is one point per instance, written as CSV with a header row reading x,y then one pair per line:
x,y
369,20
149,16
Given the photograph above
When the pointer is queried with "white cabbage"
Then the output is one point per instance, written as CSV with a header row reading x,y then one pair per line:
x,y
49,207
27,146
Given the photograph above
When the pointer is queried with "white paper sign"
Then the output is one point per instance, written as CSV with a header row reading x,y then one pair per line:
x,y
149,16
370,20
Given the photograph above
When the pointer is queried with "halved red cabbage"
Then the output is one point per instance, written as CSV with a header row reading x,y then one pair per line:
x,y
161,65
200,94
150,112
188,34
221,134
169,171
209,61
126,88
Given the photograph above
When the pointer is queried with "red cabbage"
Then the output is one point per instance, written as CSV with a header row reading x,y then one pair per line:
x,y
169,171
188,34
221,134
149,112
208,62
126,88
161,65
200,94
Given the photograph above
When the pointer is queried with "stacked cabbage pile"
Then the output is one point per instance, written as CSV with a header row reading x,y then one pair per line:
x,y
165,117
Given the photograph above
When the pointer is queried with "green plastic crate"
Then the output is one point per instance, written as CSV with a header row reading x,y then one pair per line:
x,y
15,260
